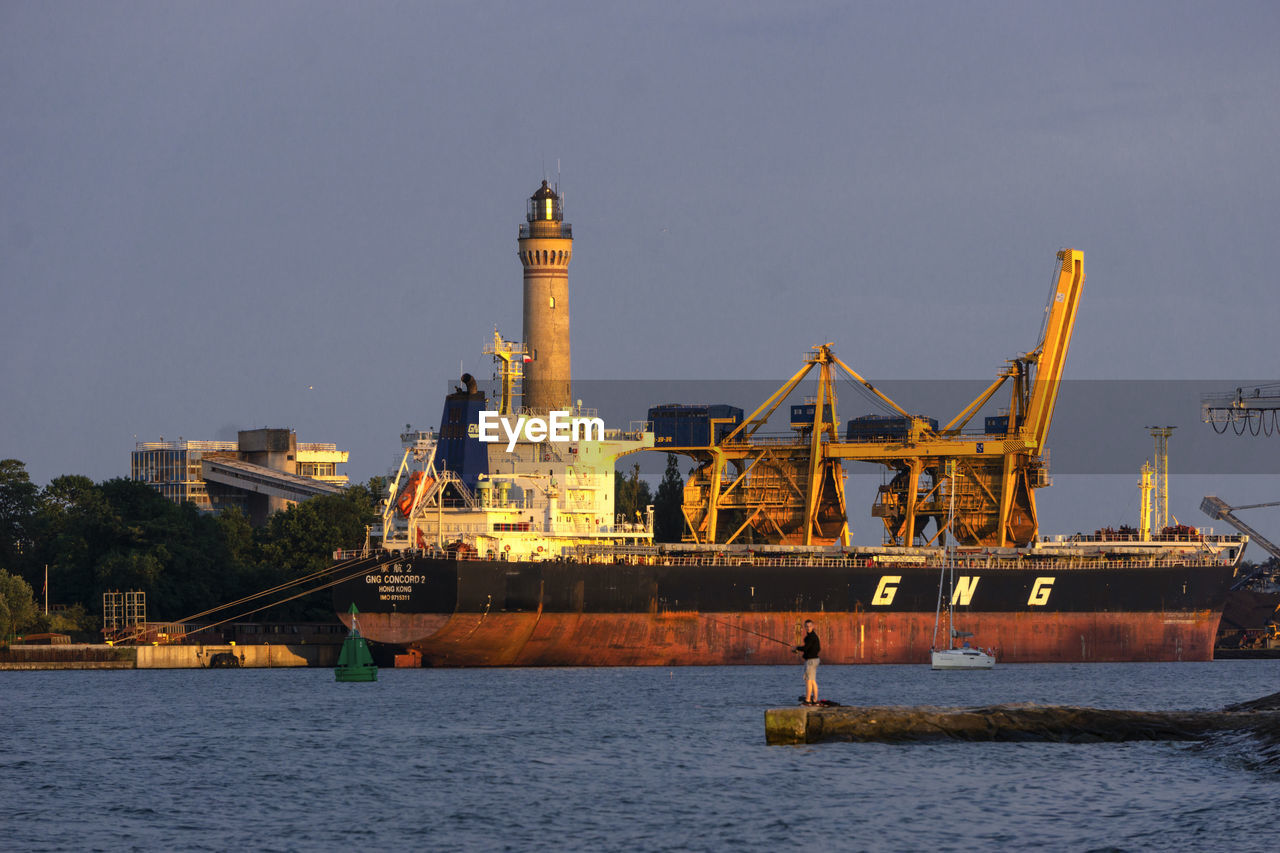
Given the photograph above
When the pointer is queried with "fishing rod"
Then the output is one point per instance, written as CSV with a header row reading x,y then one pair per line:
x,y
749,631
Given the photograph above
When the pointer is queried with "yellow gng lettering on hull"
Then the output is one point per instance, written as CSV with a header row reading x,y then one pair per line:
x,y
965,586
886,590
1040,592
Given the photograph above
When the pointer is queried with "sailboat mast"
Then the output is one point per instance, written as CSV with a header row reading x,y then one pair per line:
x,y
937,613
951,563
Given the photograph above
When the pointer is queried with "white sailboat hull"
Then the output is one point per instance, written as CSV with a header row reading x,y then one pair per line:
x,y
961,659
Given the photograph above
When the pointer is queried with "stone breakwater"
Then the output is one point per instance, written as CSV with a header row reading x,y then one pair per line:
x,y
1019,722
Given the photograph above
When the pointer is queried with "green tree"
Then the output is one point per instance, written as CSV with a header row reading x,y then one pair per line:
x,y
236,535
75,620
123,535
18,609
631,495
19,506
301,540
668,516
75,521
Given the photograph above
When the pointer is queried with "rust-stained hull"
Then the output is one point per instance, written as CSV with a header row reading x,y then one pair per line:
x,y
496,613
675,639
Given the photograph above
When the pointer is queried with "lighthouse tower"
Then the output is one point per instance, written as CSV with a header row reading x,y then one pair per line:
x,y
546,247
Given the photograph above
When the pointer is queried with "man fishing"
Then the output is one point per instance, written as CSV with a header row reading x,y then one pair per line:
x,y
809,651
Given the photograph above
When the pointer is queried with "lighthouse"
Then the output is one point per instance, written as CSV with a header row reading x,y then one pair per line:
x,y
545,249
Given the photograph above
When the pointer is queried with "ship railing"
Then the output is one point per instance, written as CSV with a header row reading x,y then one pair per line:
x,y
792,438
574,411
625,527
648,556
493,503
448,503
1128,536
769,438
632,434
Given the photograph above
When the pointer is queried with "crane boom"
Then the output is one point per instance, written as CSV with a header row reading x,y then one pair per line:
x,y
1051,355
1216,508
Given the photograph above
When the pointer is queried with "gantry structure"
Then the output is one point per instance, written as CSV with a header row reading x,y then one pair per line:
x,y
1251,410
751,487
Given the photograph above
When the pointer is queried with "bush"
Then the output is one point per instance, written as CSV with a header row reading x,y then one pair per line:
x,y
17,605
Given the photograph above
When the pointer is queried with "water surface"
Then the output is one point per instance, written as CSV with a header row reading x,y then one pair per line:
x,y
607,759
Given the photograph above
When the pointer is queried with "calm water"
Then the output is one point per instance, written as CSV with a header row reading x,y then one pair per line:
x,y
605,759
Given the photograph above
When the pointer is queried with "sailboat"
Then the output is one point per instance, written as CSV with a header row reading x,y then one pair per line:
x,y
952,657
355,663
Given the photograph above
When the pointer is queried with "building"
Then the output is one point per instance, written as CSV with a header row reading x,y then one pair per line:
x,y
263,471
545,246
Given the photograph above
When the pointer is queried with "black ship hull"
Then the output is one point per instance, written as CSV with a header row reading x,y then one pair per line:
x,y
720,609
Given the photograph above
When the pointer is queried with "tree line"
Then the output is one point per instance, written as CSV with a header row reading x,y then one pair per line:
x,y
119,535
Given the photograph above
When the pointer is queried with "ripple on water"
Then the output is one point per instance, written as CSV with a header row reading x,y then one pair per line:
x,y
613,759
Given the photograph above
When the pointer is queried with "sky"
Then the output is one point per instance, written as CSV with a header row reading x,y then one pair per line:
x,y
223,216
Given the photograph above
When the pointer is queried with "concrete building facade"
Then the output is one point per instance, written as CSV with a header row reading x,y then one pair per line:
x,y
263,471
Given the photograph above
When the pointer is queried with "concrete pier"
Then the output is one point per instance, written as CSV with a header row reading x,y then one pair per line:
x,y
1015,722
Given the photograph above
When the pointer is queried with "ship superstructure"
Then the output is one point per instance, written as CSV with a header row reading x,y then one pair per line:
x,y
510,499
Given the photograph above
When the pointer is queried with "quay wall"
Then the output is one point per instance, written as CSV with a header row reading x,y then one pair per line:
x,y
97,656
196,657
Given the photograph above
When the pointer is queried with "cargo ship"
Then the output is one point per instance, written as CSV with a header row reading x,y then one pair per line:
x,y
500,543
533,567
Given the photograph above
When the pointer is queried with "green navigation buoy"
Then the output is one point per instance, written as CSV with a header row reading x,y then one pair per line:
x,y
355,663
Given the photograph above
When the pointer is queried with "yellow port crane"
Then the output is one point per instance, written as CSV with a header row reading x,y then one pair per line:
x,y
790,489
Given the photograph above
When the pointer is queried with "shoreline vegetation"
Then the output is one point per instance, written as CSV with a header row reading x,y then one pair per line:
x,y
64,545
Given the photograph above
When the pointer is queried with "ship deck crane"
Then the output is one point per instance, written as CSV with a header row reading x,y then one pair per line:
x,y
791,489
1216,508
